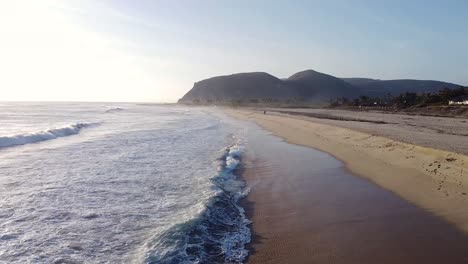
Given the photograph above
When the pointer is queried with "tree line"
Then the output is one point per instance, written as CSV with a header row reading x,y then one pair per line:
x,y
403,100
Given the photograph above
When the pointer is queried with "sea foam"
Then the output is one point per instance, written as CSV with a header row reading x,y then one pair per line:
x,y
53,133
219,233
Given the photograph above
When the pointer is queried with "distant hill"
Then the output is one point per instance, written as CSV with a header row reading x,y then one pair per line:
x,y
316,86
376,88
309,85
359,81
252,85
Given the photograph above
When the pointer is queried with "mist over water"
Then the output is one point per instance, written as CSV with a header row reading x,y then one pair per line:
x,y
119,183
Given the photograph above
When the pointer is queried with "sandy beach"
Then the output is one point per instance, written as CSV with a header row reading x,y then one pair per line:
x,y
420,191
446,133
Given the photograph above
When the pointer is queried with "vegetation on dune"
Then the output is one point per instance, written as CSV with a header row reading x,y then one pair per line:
x,y
404,100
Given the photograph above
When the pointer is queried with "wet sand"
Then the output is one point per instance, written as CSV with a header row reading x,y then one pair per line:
x,y
306,207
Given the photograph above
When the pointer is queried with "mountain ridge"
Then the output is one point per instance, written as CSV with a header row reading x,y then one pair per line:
x,y
308,85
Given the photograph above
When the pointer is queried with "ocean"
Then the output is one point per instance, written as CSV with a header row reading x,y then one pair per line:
x,y
120,183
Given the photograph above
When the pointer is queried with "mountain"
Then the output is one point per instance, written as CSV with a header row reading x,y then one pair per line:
x,y
251,85
376,88
359,81
319,86
309,85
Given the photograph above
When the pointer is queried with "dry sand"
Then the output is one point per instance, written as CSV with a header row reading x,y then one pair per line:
x,y
434,180
444,133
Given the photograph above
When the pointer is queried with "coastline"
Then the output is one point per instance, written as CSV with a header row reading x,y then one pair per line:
x,y
436,184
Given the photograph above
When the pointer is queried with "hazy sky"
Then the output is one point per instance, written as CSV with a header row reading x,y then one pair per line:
x,y
154,50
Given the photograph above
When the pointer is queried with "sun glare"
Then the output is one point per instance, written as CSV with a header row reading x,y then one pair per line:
x,y
47,57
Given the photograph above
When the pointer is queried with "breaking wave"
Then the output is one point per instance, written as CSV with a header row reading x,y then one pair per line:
x,y
218,234
23,139
114,109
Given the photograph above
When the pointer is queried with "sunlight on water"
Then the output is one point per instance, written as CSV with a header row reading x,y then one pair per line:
x,y
120,183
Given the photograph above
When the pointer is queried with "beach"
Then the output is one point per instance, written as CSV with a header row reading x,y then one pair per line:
x,y
389,201
445,133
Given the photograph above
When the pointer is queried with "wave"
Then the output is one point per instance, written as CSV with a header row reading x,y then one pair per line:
x,y
114,109
219,234
23,139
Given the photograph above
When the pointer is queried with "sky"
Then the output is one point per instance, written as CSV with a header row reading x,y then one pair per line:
x,y
153,51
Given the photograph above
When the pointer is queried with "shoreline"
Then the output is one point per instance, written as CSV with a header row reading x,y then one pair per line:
x,y
438,182
382,161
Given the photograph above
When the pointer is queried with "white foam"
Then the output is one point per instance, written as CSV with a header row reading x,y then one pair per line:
x,y
230,243
53,133
235,151
231,163
114,109
232,158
